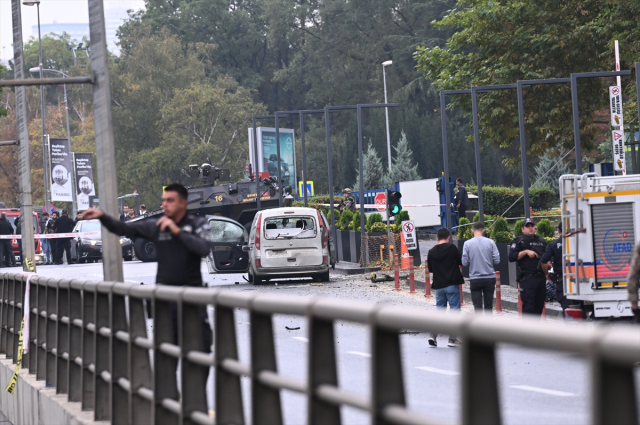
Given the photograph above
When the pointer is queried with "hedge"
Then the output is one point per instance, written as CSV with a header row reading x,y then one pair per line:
x,y
498,198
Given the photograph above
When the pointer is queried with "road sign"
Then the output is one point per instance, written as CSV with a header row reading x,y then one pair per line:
x,y
619,163
309,188
409,231
381,200
615,102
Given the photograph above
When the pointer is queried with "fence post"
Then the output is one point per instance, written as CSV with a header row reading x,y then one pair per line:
x,y
88,344
498,294
396,272
427,282
120,407
75,341
102,375
412,283
322,370
140,371
62,331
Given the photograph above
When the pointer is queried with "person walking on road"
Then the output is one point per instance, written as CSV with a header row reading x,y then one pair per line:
x,y
46,243
552,257
53,242
481,255
461,199
64,224
444,261
526,250
632,282
7,258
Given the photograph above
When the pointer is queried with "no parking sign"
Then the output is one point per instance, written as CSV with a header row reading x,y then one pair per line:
x,y
409,232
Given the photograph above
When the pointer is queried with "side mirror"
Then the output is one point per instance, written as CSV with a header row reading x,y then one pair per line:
x,y
246,248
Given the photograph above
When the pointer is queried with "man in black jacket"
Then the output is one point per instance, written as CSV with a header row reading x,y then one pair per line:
x,y
63,225
7,258
461,199
444,261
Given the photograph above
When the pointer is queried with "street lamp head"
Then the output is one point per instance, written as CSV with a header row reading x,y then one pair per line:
x,y
387,63
35,70
31,3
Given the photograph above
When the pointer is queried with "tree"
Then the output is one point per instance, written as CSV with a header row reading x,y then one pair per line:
x,y
404,167
550,168
502,42
372,170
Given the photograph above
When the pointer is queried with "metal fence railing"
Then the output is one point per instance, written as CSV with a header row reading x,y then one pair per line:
x,y
89,340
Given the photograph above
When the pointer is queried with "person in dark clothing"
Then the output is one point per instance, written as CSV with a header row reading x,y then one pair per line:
x,y
181,241
54,242
461,199
7,258
64,224
527,250
552,257
16,223
444,261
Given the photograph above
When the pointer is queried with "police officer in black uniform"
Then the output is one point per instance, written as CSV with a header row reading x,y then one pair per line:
x,y
553,254
526,250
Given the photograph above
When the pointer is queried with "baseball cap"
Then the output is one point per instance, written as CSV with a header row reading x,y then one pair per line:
x,y
528,221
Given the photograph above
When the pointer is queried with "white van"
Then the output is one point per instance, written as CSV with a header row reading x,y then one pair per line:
x,y
290,242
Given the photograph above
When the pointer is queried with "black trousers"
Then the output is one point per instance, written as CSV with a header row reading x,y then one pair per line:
x,y
533,290
54,249
482,290
564,301
7,258
462,212
64,245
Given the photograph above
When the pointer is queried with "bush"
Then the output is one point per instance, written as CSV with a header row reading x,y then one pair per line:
x,y
373,218
498,198
378,227
402,216
355,223
545,229
465,232
517,228
502,237
328,214
396,228
345,219
501,225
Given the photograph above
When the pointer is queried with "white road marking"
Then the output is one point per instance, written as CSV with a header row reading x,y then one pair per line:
x,y
301,338
359,353
542,390
436,370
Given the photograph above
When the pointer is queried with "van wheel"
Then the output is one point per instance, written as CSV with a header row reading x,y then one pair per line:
x,y
324,277
256,280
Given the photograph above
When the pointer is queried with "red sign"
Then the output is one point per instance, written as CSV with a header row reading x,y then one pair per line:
x,y
381,200
615,90
407,227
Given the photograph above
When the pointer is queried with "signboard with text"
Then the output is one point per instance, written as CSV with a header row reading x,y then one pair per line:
x,y
268,154
409,232
615,104
60,164
619,163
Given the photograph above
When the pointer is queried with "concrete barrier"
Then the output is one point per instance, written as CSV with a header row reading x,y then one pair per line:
x,y
33,403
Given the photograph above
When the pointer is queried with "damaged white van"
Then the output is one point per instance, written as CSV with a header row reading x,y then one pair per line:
x,y
288,243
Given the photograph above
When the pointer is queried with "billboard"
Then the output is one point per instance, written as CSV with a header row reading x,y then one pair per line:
x,y
84,179
268,154
60,164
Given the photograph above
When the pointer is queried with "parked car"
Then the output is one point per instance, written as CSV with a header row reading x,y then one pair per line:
x,y
89,247
12,214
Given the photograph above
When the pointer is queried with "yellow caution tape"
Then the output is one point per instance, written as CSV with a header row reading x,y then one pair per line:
x,y
30,265
14,379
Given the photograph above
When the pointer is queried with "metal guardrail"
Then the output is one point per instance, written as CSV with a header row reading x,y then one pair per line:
x,y
89,340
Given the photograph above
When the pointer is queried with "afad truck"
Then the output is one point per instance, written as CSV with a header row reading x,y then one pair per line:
x,y
599,219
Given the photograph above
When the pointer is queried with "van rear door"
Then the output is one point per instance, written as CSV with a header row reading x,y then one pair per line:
x,y
226,254
291,241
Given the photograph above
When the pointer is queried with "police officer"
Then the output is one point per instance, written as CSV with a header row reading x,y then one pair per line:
x,y
526,250
553,255
6,250
348,203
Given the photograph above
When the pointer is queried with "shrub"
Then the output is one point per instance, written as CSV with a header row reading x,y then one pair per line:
x,y
378,227
501,225
502,237
465,232
517,228
355,223
498,198
545,228
402,216
396,228
345,219
373,218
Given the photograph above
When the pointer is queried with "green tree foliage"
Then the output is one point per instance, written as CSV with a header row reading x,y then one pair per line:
x,y
500,42
355,222
496,200
517,227
545,228
550,168
372,170
345,219
404,167
464,231
372,219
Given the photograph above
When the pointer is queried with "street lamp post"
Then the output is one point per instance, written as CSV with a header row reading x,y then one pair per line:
x,y
66,109
386,110
44,128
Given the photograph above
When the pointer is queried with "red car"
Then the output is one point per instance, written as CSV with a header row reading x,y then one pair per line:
x,y
12,214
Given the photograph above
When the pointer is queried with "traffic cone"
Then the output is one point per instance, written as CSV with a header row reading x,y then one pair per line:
x,y
404,253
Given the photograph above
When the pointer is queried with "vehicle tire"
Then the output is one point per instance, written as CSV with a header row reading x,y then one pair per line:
x,y
145,250
128,258
79,259
257,280
323,277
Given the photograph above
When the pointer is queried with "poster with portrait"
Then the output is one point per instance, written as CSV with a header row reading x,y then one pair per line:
x,y
268,154
60,164
84,179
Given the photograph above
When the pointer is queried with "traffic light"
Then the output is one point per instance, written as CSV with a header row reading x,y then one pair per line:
x,y
393,202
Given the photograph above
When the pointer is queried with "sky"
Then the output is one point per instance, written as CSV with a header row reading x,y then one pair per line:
x,y
61,11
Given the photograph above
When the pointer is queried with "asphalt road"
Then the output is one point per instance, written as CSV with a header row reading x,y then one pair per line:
x,y
536,387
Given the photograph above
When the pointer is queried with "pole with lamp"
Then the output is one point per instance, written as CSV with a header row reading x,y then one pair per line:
x,y
45,162
386,110
37,70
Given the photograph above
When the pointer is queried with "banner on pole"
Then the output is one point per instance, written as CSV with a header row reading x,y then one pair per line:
x,y
268,154
84,179
615,102
60,166
619,163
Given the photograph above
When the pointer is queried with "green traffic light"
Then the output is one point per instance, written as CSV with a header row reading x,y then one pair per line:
x,y
396,209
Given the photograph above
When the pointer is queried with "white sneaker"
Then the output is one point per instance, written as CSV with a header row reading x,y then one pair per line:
x,y
432,340
454,343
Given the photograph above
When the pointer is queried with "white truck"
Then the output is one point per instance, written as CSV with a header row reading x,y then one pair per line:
x,y
599,216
